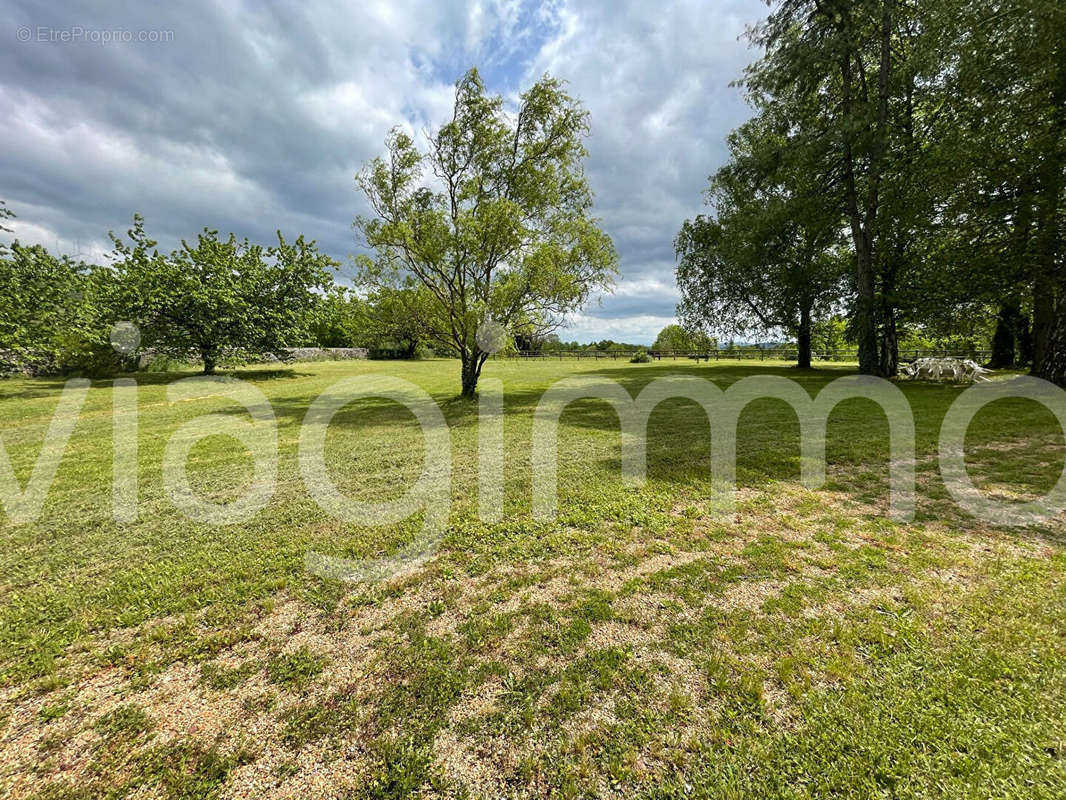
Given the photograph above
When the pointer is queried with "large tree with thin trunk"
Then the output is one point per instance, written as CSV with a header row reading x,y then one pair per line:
x,y
1010,201
769,258
861,81
493,218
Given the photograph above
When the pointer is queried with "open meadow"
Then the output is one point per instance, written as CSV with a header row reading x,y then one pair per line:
x,y
634,646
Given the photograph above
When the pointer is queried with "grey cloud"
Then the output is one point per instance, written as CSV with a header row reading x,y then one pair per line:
x,y
656,80
257,116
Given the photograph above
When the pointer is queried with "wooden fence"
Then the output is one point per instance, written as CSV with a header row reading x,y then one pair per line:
x,y
747,354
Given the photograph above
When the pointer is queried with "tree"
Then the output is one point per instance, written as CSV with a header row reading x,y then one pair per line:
x,y
219,296
53,314
769,258
398,317
829,333
529,336
863,84
673,337
341,319
502,233
1009,196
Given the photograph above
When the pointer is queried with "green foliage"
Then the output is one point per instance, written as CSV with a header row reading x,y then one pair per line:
x,y
295,670
640,357
187,770
219,297
507,236
529,335
54,315
397,318
341,319
125,723
219,676
973,333
935,135
388,320
830,333
770,257
675,337
1003,164
311,721
607,345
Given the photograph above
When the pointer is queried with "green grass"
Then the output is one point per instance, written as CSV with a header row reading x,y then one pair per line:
x,y
633,646
295,670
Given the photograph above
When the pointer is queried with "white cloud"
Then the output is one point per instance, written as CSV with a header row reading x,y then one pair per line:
x,y
634,329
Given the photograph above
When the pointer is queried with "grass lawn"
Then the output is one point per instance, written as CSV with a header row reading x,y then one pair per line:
x,y
632,647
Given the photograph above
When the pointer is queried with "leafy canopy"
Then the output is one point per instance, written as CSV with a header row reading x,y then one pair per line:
x,y
675,337
54,309
493,218
219,296
770,257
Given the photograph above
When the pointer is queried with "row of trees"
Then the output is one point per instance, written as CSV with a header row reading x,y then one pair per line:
x,y
905,166
211,299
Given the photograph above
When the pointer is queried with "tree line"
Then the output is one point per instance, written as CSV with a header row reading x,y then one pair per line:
x,y
213,299
903,169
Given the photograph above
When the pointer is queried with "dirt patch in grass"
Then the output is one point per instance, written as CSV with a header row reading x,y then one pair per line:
x,y
662,648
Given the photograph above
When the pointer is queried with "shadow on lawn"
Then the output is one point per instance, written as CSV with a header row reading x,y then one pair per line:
x,y
768,437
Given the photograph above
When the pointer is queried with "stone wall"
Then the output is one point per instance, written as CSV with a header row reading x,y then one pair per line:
x,y
326,353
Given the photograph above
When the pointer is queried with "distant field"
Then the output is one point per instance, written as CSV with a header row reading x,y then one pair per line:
x,y
634,646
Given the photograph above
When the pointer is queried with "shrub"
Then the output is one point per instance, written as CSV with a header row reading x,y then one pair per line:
x,y
640,357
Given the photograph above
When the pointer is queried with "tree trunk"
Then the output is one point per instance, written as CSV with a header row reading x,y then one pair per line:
x,y
1043,319
1025,342
863,222
1053,367
803,338
1004,340
471,371
1049,300
882,363
208,356
889,344
865,330
865,316
902,226
889,356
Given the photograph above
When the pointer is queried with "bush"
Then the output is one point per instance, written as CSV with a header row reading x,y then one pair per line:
x,y
641,357
161,362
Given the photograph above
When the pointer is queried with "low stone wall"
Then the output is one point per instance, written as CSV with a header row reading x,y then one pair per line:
x,y
31,364
12,363
326,353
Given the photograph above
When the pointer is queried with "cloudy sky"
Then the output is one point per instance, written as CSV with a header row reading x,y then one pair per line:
x,y
253,117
